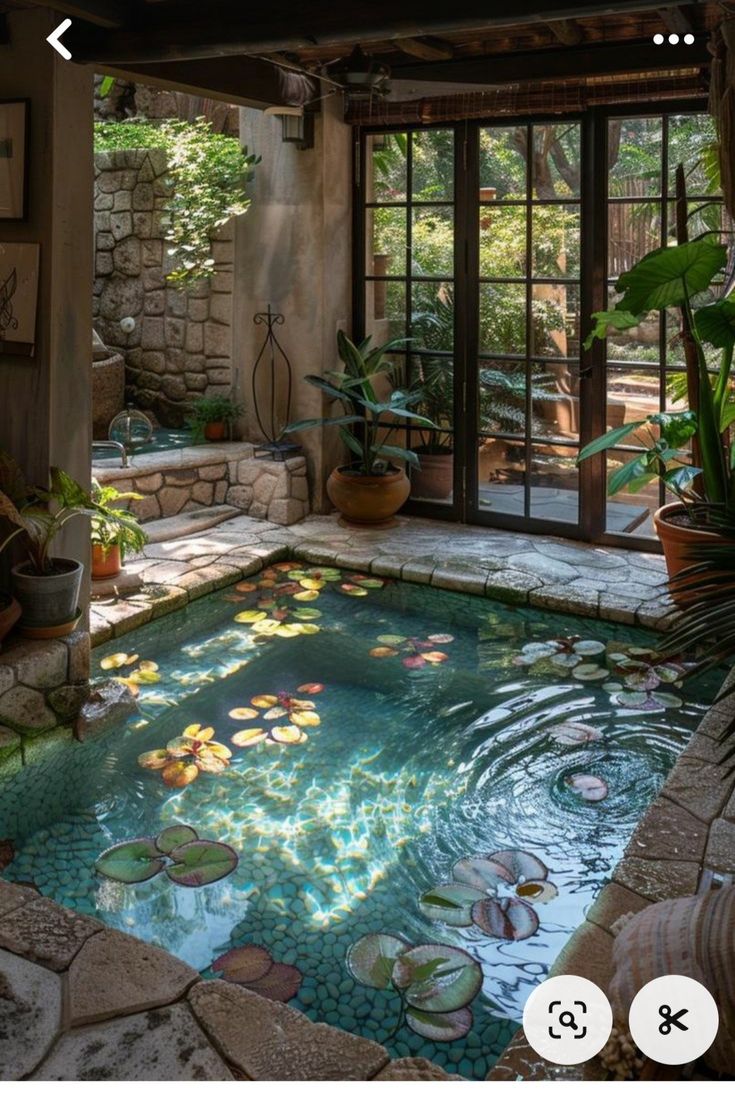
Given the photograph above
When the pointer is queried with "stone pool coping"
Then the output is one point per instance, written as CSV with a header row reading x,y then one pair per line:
x,y
688,830
550,573
81,1001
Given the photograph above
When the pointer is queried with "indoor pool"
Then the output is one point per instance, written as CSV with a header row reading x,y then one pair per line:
x,y
422,793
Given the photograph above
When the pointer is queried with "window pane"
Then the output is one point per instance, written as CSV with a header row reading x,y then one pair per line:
x,y
503,162
634,229
502,241
555,320
692,142
386,241
556,241
631,512
432,315
502,397
556,160
433,165
432,241
502,319
632,395
500,474
702,217
554,484
634,157
555,400
386,160
385,310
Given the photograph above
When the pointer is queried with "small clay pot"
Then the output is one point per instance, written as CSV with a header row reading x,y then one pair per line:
x,y
106,561
215,432
434,479
367,499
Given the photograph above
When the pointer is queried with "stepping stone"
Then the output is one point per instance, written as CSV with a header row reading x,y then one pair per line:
x,y
165,1044
179,526
30,1015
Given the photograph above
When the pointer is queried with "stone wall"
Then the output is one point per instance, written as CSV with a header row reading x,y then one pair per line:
x,y
177,481
43,686
181,346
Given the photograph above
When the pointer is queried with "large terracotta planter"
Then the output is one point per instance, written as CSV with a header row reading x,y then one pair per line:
x,y
677,540
10,612
435,479
215,433
368,499
106,561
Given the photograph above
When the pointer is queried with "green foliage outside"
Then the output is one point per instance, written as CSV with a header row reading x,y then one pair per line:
x,y
207,175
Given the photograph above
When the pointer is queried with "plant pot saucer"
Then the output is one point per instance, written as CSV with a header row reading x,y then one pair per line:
x,y
47,633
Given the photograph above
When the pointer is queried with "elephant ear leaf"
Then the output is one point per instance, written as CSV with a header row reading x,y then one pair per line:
x,y
668,276
619,319
716,323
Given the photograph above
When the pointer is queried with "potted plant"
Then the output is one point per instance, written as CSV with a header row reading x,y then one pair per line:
x,y
678,276
111,538
211,417
433,377
47,587
371,489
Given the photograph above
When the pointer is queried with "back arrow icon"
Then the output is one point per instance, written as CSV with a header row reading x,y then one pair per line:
x,y
53,39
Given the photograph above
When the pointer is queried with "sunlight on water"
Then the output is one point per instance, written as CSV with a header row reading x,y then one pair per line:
x,y
433,743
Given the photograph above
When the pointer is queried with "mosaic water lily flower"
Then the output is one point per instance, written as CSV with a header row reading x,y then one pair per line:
x,y
253,967
415,652
494,892
568,653
185,757
142,673
588,787
436,983
178,850
299,713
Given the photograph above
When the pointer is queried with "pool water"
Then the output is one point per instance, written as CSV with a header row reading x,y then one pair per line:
x,y
446,733
165,438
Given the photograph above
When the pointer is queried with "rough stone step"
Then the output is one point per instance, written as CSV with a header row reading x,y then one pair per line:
x,y
189,522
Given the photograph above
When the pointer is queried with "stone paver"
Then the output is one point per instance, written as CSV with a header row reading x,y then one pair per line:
x,y
30,1014
413,1068
165,1044
137,976
46,932
271,1041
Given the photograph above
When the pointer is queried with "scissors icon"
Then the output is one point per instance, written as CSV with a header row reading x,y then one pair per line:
x,y
670,1020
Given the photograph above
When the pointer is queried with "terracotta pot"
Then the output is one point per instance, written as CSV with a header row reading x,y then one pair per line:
x,y
106,561
9,615
677,540
435,479
215,433
368,499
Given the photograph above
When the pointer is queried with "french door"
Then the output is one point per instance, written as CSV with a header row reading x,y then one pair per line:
x,y
486,247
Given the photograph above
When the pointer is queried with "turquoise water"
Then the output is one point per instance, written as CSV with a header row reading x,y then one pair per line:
x,y
410,769
165,438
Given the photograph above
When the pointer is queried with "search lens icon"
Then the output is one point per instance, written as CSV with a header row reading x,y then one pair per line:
x,y
566,1019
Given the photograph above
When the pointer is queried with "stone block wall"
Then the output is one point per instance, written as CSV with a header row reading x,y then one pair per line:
x,y
181,346
43,687
192,478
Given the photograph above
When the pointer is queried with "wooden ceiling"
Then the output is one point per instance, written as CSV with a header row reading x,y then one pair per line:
x,y
476,42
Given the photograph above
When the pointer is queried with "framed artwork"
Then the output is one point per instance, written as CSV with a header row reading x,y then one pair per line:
x,y
18,297
14,124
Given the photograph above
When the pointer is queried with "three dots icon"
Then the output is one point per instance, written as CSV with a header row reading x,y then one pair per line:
x,y
674,39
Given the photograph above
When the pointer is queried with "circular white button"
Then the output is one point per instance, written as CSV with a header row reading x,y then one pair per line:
x,y
567,1020
673,1020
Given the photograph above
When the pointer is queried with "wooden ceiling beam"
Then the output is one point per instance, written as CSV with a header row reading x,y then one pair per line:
x,y
547,64
190,29
567,31
676,20
111,14
426,49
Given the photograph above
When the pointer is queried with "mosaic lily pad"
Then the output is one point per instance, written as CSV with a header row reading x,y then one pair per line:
x,y
371,959
248,738
437,977
201,862
174,837
243,713
310,688
574,732
450,903
507,918
131,862
244,964
480,873
440,1027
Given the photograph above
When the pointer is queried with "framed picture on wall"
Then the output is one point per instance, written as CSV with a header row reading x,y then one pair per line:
x,y
18,297
14,123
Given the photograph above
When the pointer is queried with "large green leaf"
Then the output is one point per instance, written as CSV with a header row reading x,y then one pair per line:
x,y
450,904
322,421
669,276
606,319
715,324
610,439
384,450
